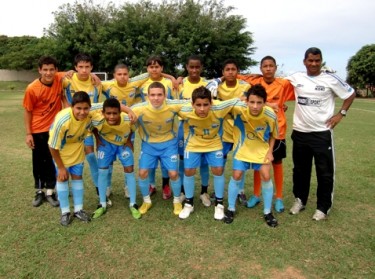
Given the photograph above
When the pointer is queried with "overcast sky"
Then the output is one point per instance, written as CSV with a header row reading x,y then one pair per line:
x,y
281,28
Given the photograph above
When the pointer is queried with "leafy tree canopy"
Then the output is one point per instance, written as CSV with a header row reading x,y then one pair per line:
x,y
361,68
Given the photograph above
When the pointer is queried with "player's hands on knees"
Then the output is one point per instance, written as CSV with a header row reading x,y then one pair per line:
x,y
30,141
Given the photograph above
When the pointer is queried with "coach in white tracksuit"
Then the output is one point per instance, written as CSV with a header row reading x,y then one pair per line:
x,y
313,122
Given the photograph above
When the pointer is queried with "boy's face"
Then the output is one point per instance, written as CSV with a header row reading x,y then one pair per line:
x,y
122,76
194,68
154,70
202,107
156,97
47,73
112,115
83,70
268,69
230,72
81,111
255,105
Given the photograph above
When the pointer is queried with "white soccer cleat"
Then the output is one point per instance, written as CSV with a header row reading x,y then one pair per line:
x,y
297,207
219,212
185,213
205,198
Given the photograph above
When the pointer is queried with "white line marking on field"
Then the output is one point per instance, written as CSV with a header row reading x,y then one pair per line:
x,y
363,110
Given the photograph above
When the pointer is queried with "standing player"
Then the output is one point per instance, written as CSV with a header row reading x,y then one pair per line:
x,y
42,101
278,91
113,133
156,127
82,81
155,70
194,67
67,134
231,88
203,124
313,122
255,128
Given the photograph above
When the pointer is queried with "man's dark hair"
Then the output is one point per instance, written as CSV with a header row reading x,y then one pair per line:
x,y
83,57
257,90
111,103
201,93
313,51
47,60
81,97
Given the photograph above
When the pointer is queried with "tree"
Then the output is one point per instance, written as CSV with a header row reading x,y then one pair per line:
x,y
361,68
132,32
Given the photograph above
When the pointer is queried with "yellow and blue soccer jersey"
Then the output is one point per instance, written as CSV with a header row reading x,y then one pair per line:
x,y
157,125
204,134
169,92
252,133
126,95
67,135
186,89
74,85
115,134
226,93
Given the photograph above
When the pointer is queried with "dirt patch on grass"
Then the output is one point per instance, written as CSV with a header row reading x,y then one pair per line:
x,y
289,273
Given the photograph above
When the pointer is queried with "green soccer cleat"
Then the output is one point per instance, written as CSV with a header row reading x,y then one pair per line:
x,y
99,212
135,212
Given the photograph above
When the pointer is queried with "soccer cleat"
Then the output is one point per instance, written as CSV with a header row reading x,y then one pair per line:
x,y
99,212
126,192
185,212
151,190
167,192
65,219
82,215
135,212
319,215
242,199
279,205
52,200
38,200
297,207
219,212
253,201
205,198
270,220
109,202
177,208
182,197
228,216
145,207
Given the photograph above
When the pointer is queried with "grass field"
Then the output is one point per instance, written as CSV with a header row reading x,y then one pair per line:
x,y
34,245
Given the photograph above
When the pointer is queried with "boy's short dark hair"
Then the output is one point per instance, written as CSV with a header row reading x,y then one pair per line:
x,y
83,57
313,51
268,57
156,84
47,60
201,93
120,66
257,90
152,60
81,97
230,61
111,103
194,57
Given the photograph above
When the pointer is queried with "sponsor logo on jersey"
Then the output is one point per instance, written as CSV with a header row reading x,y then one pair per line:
x,y
304,101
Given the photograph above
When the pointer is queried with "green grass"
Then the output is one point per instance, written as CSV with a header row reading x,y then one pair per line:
x,y
34,245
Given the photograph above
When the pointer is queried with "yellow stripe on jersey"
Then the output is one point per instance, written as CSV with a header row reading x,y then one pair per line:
x,y
252,133
186,88
74,85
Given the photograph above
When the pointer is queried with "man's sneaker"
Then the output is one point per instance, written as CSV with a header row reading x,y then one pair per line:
x,y
297,207
219,212
242,199
108,192
135,212
185,212
151,190
205,198
109,202
228,216
279,205
52,200
177,208
253,201
65,219
38,200
145,207
82,215
126,192
99,212
167,194
319,215
270,220
182,197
